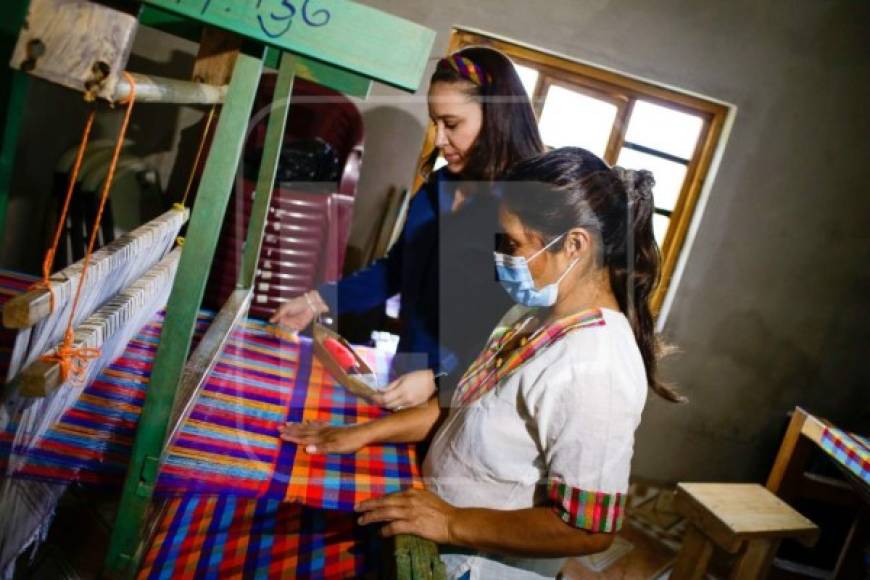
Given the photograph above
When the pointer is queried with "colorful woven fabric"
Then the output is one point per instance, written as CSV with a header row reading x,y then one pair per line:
x,y
92,441
229,444
467,69
498,360
850,450
229,537
593,511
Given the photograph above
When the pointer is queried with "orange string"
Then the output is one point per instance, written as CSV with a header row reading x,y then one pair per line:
x,y
199,153
48,261
73,361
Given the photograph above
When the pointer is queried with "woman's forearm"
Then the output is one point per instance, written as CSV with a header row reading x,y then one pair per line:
x,y
405,426
509,532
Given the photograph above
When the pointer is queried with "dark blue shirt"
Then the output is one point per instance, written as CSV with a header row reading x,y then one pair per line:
x,y
442,266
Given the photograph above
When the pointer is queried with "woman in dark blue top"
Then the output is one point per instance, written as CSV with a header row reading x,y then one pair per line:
x,y
442,262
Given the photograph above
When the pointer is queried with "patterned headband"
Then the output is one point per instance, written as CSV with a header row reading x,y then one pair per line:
x,y
467,69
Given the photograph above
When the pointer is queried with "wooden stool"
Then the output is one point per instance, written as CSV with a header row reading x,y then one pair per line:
x,y
739,518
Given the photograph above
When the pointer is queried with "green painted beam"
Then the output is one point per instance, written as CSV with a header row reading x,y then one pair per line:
x,y
184,302
334,78
331,77
337,79
341,33
268,169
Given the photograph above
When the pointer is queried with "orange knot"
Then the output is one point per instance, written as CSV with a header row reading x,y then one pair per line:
x,y
73,361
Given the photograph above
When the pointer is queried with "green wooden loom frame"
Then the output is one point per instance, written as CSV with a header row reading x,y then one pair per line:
x,y
336,43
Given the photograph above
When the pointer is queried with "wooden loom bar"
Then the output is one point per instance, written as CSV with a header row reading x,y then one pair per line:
x,y
27,309
216,57
42,378
153,89
204,358
181,312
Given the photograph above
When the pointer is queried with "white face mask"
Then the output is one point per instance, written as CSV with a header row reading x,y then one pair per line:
x,y
516,278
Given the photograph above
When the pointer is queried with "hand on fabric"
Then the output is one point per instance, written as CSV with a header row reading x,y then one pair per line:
x,y
297,313
319,437
416,511
410,390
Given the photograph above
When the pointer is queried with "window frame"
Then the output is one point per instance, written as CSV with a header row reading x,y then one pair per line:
x,y
624,91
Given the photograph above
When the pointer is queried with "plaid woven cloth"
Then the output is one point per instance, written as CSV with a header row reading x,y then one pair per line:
x,y
92,441
229,445
498,360
850,450
230,537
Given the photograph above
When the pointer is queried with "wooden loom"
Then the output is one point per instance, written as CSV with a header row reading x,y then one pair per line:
x,y
84,46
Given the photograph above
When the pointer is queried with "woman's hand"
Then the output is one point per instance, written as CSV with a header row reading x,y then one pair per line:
x,y
416,511
297,313
319,437
410,390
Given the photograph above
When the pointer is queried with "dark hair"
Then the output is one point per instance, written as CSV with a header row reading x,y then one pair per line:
x,y
509,132
572,188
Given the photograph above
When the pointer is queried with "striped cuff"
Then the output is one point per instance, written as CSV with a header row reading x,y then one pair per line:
x,y
593,511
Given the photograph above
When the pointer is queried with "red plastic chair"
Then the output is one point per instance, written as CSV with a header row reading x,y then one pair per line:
x,y
306,232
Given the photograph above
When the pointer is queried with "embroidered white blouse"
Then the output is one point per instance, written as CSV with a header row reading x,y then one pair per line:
x,y
551,424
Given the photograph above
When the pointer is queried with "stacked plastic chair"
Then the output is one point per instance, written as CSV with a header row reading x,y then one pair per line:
x,y
312,203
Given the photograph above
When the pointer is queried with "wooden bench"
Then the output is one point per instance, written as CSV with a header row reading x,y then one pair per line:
x,y
743,519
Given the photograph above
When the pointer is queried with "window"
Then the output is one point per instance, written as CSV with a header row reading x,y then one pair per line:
x,y
627,122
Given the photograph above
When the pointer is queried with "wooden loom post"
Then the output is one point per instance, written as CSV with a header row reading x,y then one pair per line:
x,y
204,358
181,312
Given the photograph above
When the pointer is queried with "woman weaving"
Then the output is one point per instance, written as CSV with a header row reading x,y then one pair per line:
x,y
484,124
532,462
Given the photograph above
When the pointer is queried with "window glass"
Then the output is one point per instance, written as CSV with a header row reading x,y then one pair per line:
x,y
529,78
669,175
571,118
660,228
663,129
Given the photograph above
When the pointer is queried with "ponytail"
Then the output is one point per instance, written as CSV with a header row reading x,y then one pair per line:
x,y
634,280
577,189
